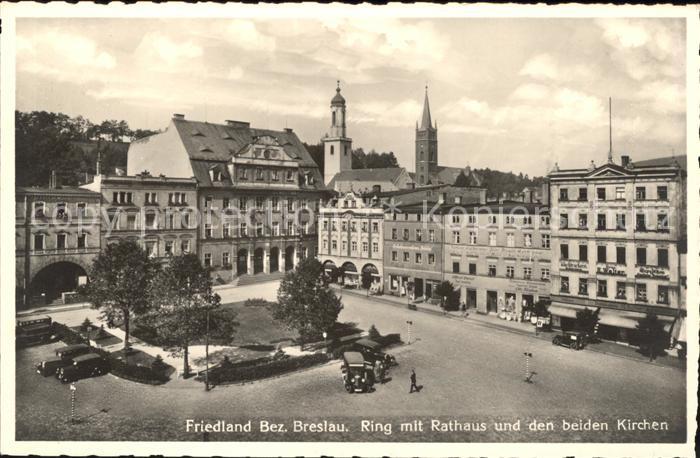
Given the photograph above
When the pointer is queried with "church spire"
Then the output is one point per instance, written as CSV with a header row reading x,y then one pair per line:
x,y
426,121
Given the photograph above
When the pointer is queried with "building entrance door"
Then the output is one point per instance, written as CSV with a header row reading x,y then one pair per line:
x,y
491,301
242,262
471,297
418,287
258,260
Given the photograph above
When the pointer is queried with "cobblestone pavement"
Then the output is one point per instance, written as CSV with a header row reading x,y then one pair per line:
x,y
469,373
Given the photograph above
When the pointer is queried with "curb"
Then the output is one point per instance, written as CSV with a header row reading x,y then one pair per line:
x,y
514,331
55,309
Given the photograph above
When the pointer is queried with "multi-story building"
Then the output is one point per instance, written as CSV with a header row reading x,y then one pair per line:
x,y
158,213
413,252
498,256
351,237
57,236
618,232
257,191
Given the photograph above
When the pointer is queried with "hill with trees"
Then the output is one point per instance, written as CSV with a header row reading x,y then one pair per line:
x,y
497,182
360,159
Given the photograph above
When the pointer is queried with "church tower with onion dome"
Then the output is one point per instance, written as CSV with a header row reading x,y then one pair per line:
x,y
426,146
337,147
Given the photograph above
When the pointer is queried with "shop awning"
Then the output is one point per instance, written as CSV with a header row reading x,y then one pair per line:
x,y
565,310
627,319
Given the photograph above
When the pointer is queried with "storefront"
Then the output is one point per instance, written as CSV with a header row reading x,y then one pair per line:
x,y
564,315
621,325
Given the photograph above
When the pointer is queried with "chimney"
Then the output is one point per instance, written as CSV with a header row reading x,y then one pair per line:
x,y
238,124
178,116
288,130
625,160
442,198
52,180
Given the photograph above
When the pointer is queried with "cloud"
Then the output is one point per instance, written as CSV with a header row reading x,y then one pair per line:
x,y
245,34
541,66
235,73
157,49
386,113
530,91
664,96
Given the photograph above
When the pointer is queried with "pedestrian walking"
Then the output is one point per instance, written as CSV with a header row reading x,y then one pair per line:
x,y
413,382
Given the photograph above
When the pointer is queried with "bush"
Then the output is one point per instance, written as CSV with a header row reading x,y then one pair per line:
x,y
67,335
256,302
267,369
87,325
389,339
372,333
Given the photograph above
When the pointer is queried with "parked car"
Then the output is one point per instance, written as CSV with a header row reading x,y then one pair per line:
x,y
34,330
84,366
575,340
372,351
52,365
358,375
70,351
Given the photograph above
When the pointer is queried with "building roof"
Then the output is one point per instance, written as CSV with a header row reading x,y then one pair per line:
x,y
667,161
61,191
383,175
448,175
426,121
337,98
209,144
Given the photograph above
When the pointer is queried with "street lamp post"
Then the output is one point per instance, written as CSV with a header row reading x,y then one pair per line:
x,y
409,323
528,374
325,342
72,402
206,355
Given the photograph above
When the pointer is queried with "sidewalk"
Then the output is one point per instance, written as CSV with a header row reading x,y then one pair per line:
x,y
53,308
524,328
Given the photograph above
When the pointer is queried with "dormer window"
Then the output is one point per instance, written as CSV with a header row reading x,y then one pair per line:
x,y
38,209
290,175
275,174
196,133
205,149
259,174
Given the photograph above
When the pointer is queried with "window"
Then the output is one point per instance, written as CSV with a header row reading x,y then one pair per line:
x,y
259,174
582,193
81,209
185,220
169,247
510,220
472,219
207,259
563,194
290,175
185,246
641,292
602,254
419,258
640,193
544,273
82,240
290,227
527,273
394,233
472,268
527,220
455,267
600,193
243,173
151,198
602,288
259,230
290,205
325,244
431,235
620,223
225,259
365,247
564,251
353,246
545,241
419,235
455,237
259,202
244,230
364,226
583,221
207,231
243,204
375,247
207,201
405,234
375,226
152,249
353,226
492,270
583,252
564,286
663,295
455,219
151,221
583,286
662,222
663,257
492,239
131,222
344,245
492,219
620,193
528,240
334,245
275,203
510,239
394,256
406,256
602,223
431,258
61,210
641,224
641,256
620,292
662,193
61,241
563,221
276,229
226,230
620,255
325,224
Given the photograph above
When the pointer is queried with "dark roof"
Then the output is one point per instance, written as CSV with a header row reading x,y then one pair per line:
x,y
210,144
337,98
448,175
426,122
681,161
390,174
62,191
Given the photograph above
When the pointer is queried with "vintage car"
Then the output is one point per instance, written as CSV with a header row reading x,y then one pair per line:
x,y
70,351
34,330
372,351
52,365
358,375
573,339
84,366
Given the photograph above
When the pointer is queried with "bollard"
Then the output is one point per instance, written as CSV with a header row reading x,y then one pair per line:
x,y
409,323
528,374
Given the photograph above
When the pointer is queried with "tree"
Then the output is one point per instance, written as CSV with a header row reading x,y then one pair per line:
x,y
373,159
366,279
185,306
317,154
652,335
118,278
142,133
586,320
449,296
304,303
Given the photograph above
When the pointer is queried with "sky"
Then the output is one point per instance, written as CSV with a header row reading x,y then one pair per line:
x,y
509,94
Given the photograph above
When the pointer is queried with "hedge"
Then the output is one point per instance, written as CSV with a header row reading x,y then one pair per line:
x,y
240,373
119,368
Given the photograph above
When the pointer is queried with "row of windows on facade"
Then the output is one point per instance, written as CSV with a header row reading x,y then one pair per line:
x,y
353,246
508,220
226,257
259,230
151,247
620,290
640,193
62,241
473,240
620,222
259,203
259,174
61,210
150,198
353,226
492,271
620,255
